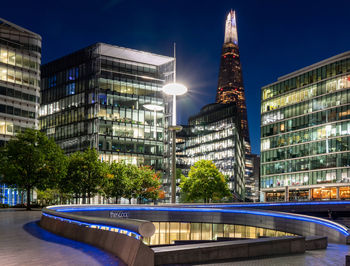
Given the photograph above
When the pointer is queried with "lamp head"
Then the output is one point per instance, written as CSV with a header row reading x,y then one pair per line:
x,y
153,107
174,89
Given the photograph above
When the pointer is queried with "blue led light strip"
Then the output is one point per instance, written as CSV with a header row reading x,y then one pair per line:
x,y
97,226
340,228
271,204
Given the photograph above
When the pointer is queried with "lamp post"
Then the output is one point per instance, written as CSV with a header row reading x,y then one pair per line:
x,y
154,108
174,89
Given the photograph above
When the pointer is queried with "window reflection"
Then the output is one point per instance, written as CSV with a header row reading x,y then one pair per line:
x,y
168,232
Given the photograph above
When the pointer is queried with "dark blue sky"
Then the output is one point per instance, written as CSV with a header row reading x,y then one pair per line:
x,y
275,37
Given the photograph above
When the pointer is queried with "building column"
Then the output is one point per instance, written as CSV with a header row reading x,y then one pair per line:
x,y
338,197
286,194
310,194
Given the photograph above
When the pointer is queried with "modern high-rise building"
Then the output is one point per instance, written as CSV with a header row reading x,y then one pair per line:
x,y
219,132
214,134
20,58
96,98
305,133
230,83
252,178
231,90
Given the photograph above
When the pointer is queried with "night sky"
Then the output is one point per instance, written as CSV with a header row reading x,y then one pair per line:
x,y
275,37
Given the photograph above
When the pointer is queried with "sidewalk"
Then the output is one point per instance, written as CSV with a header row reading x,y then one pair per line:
x,y
23,242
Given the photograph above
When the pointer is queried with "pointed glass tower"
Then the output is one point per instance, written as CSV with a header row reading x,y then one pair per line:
x,y
230,85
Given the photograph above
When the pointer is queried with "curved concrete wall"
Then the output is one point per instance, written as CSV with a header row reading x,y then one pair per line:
x,y
292,223
129,249
138,227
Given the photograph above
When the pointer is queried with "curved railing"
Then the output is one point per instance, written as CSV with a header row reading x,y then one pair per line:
x,y
121,237
131,227
269,204
294,223
93,224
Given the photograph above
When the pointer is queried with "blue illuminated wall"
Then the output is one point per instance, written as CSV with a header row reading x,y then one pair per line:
x,y
10,196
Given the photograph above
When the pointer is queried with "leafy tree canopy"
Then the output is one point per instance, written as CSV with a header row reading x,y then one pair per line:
x,y
85,174
115,180
32,160
204,182
130,181
148,184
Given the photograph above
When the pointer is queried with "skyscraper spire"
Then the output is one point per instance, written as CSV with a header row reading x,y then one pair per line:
x,y
230,28
230,83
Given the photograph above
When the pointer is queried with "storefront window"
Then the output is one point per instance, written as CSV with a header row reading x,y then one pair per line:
x,y
168,232
344,192
275,196
324,193
298,195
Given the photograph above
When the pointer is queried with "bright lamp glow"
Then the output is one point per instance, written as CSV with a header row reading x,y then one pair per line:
x,y
174,89
153,107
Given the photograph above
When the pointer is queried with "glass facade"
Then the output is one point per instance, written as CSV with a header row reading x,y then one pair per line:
x,y
252,177
11,196
305,131
20,58
213,135
168,232
95,98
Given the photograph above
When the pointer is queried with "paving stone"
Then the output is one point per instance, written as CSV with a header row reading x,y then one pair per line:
x,y
24,242
334,255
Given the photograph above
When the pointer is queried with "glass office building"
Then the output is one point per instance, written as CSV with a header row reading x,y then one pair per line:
x,y
95,98
252,168
214,134
20,58
305,133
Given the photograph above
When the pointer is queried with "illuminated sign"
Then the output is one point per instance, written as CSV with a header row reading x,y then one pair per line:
x,y
118,214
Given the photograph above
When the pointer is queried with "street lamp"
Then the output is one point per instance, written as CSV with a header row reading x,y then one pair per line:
x,y
174,89
154,108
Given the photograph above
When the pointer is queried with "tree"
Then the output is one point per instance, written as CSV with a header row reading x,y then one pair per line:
x,y
1,193
47,197
52,196
32,160
71,183
148,184
113,184
205,182
131,182
85,174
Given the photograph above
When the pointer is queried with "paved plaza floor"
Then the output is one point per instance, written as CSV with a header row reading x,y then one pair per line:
x,y
334,255
23,242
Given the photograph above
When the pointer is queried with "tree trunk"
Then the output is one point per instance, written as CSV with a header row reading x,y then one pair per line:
x,y
129,200
22,197
28,199
89,197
